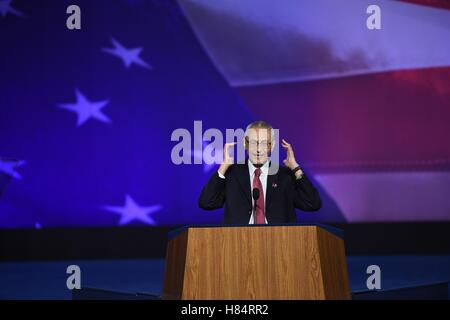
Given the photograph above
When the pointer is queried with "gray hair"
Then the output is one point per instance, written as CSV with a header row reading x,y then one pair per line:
x,y
260,125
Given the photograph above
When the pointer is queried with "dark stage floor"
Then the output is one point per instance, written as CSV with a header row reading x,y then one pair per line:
x,y
47,279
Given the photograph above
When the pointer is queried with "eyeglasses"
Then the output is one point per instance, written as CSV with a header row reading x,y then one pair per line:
x,y
263,143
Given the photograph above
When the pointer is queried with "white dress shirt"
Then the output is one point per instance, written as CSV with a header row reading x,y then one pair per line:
x,y
262,178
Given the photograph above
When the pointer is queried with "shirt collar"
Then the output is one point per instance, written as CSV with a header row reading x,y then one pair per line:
x,y
264,168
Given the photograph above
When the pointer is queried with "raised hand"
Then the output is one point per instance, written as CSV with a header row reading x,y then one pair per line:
x,y
228,160
290,161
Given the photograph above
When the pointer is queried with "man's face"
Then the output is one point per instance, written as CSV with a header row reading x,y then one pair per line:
x,y
258,145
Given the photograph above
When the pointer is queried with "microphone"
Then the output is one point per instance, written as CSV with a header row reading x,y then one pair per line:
x,y
255,194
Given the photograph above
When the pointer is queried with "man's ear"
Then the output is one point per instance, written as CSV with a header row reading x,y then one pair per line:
x,y
245,142
272,146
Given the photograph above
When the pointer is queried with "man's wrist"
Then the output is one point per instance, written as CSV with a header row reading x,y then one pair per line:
x,y
223,168
298,172
294,166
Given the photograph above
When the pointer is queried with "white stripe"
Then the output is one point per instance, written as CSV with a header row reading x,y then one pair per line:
x,y
263,42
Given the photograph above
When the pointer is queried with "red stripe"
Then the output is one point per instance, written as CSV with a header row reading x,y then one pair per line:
x,y
393,120
443,4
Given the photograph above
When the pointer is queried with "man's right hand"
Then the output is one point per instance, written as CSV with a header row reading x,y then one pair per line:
x,y
227,159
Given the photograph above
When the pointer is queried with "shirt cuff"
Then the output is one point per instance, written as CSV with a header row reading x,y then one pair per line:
x,y
221,175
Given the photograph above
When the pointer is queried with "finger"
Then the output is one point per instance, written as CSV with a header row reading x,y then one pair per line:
x,y
227,149
229,144
287,144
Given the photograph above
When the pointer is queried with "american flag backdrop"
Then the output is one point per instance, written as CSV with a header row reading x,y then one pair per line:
x,y
368,111
86,115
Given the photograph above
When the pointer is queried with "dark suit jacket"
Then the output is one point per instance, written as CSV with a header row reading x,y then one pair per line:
x,y
284,194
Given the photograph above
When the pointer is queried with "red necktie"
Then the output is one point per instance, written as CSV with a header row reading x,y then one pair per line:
x,y
260,211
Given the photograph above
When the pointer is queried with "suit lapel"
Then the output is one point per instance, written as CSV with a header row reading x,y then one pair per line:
x,y
244,181
272,185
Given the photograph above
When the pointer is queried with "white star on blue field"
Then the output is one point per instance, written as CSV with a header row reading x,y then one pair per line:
x,y
86,109
132,211
128,56
5,8
9,167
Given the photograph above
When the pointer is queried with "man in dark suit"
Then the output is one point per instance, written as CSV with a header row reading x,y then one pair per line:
x,y
249,193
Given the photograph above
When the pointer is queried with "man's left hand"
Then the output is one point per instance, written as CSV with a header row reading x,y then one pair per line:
x,y
290,161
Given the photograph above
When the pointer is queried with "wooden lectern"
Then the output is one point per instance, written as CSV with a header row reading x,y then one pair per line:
x,y
256,262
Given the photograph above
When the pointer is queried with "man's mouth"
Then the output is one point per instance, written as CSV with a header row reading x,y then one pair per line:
x,y
259,157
